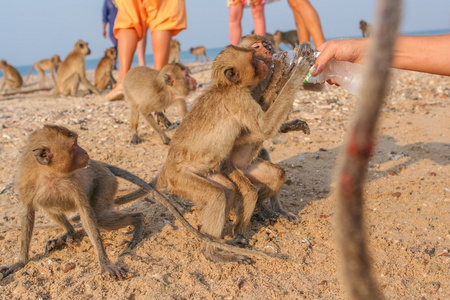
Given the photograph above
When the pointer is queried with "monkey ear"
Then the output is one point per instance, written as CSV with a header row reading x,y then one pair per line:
x,y
43,155
168,79
231,74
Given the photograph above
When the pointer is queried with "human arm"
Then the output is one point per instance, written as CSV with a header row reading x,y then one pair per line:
x,y
104,30
415,53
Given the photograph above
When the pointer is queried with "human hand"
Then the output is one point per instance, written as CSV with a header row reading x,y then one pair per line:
x,y
351,50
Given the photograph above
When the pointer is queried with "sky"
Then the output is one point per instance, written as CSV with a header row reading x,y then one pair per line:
x,y
36,29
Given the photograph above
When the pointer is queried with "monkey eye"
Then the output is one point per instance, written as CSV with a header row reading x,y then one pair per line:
x,y
256,45
267,46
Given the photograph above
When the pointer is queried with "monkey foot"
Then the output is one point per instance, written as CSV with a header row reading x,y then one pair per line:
x,y
268,214
63,240
218,255
115,272
295,125
239,241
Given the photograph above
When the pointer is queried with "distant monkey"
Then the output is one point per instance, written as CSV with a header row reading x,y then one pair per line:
x,y
366,28
200,53
103,71
148,90
56,174
175,48
73,70
209,147
49,64
11,77
289,38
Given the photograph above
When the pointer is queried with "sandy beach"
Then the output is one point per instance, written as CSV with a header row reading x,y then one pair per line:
x,y
407,208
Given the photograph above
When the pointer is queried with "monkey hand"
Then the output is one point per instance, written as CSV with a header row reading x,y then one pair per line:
x,y
7,270
295,125
115,272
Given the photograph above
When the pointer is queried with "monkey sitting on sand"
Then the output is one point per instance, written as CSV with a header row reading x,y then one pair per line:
x,y
11,77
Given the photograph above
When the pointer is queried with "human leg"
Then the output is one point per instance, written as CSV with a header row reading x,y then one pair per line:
x,y
302,31
310,18
128,40
161,47
234,23
259,19
141,46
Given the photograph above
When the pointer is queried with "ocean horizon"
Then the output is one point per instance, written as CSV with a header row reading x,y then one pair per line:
x,y
187,57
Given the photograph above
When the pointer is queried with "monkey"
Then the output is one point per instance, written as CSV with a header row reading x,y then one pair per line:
x,y
49,64
204,162
174,55
11,77
103,71
73,70
148,90
289,38
265,50
200,53
366,28
56,174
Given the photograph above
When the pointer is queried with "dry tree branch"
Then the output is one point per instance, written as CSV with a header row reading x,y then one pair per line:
x,y
359,282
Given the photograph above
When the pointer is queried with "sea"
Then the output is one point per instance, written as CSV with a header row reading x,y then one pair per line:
x,y
187,57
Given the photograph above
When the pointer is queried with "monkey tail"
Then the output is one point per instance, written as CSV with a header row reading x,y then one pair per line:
x,y
29,73
148,189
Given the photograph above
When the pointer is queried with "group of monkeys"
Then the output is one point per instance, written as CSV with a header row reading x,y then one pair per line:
x,y
225,170
69,73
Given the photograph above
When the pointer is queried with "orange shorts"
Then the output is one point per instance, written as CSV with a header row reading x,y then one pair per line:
x,y
156,14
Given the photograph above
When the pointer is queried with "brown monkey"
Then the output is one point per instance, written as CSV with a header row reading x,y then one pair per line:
x,y
199,53
264,49
175,48
366,28
49,64
55,173
226,117
73,70
148,90
103,71
289,38
11,77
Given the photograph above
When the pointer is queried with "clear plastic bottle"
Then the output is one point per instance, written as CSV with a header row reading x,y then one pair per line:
x,y
348,75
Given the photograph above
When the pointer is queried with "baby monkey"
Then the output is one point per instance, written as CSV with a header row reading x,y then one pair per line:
x,y
148,90
56,174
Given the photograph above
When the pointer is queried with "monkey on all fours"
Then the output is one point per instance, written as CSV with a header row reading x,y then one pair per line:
x,y
11,77
148,90
50,64
73,70
209,157
200,53
56,174
289,38
103,72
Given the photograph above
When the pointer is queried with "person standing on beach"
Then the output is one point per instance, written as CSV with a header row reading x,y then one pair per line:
x,y
307,22
109,13
164,18
236,9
